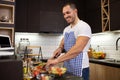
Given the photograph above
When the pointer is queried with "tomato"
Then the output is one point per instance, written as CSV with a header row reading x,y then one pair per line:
x,y
35,72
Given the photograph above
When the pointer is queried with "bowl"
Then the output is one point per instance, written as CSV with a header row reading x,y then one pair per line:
x,y
58,70
98,55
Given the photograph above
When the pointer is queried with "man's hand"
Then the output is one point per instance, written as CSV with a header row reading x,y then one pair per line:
x,y
57,52
52,62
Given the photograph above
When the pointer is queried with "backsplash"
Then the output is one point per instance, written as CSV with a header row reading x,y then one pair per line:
x,y
107,43
49,42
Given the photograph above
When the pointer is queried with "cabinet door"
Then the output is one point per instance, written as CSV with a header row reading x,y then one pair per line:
x,y
115,14
21,16
51,21
11,69
93,15
27,15
51,5
93,75
94,20
51,18
33,14
103,72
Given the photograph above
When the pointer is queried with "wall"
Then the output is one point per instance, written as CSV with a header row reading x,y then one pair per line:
x,y
49,42
107,43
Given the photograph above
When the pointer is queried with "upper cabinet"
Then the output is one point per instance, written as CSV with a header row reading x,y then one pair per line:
x,y
51,21
39,16
93,15
21,16
27,16
7,12
51,5
51,17
33,16
114,15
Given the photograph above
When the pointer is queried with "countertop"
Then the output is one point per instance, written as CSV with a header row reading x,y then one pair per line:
x,y
68,77
107,62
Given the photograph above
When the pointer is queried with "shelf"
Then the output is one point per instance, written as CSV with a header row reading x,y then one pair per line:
x,y
9,0
8,31
6,14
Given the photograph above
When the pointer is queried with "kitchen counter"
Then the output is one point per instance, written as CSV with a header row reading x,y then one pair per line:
x,y
68,77
107,62
51,76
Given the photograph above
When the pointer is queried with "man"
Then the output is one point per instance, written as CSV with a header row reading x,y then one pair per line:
x,y
76,42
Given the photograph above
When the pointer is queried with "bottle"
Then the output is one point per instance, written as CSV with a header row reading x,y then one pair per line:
x,y
99,53
19,50
90,52
24,42
27,42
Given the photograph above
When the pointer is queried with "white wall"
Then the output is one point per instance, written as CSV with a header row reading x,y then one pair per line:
x,y
107,43
49,42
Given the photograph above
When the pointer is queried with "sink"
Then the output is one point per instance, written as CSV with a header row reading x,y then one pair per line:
x,y
110,60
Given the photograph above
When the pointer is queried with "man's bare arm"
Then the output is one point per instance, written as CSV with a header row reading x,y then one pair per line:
x,y
75,50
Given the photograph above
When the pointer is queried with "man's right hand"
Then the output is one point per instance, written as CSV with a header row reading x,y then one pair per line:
x,y
57,52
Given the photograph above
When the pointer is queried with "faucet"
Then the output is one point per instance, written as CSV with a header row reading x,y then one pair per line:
x,y
117,43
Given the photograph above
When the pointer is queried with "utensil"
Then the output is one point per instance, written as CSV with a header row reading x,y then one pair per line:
x,y
46,67
56,56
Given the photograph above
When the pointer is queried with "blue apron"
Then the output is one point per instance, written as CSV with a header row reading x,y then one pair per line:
x,y
74,65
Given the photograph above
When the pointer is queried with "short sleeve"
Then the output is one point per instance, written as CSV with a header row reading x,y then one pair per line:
x,y
84,30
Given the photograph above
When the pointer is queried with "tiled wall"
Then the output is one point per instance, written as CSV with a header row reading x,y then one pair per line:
x,y
107,43
49,42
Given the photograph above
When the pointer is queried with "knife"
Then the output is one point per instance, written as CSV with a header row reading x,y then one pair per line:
x,y
56,56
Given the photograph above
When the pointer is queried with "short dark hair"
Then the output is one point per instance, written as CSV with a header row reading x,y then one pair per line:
x,y
72,5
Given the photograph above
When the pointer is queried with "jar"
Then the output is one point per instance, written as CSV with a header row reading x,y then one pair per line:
x,y
24,42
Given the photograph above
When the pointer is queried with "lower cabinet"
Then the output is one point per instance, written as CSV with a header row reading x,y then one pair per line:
x,y
11,70
103,72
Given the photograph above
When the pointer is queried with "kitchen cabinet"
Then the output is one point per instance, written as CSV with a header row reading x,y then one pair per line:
x,y
27,15
114,15
21,16
51,22
11,69
48,5
51,18
103,72
7,18
39,16
8,31
33,16
9,0
93,15
7,12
